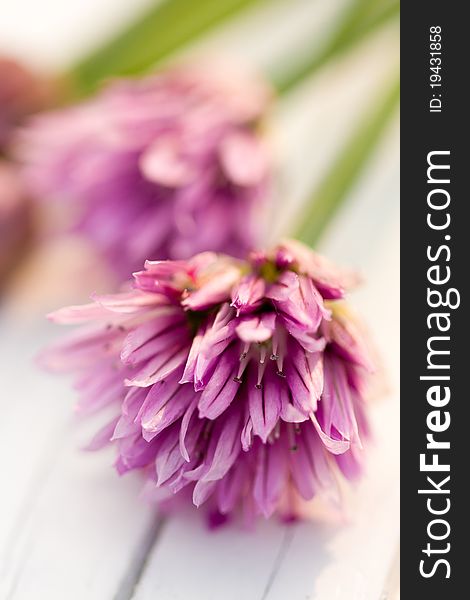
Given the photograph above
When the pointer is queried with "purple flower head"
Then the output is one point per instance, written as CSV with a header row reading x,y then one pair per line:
x,y
164,167
241,382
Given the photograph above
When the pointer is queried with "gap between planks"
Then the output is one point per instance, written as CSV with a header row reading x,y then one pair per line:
x,y
139,562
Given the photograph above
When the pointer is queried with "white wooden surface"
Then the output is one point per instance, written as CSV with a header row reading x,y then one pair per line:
x,y
70,528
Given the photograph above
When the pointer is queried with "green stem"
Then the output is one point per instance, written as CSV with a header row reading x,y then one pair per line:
x,y
336,184
363,17
154,36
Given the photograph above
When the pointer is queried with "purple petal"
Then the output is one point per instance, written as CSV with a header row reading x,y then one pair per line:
x,y
300,306
330,279
304,375
226,446
190,367
167,320
302,467
131,302
348,342
202,490
244,159
230,488
185,422
133,402
215,291
163,412
270,477
332,444
289,412
248,294
246,437
216,339
264,403
135,453
169,458
221,388
337,405
152,348
170,461
159,367
103,437
163,162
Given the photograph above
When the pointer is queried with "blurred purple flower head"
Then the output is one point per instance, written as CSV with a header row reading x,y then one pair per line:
x,y
163,167
241,382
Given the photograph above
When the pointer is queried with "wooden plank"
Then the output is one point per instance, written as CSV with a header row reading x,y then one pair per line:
x,y
191,562
33,409
83,533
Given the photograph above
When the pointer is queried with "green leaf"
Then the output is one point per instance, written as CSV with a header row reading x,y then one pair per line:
x,y
173,23
362,18
333,190
154,36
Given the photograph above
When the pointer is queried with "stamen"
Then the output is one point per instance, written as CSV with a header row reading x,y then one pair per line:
x,y
261,370
262,354
275,344
244,353
279,350
243,363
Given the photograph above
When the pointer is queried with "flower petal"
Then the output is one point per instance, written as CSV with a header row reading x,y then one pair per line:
x,y
221,389
304,376
159,367
271,476
248,294
158,415
164,162
256,329
244,159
